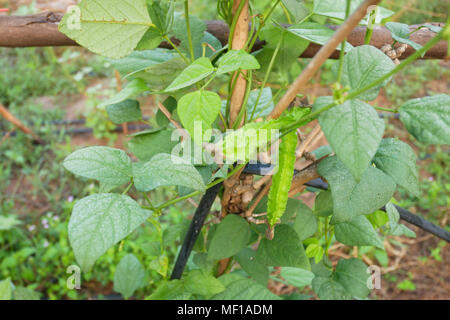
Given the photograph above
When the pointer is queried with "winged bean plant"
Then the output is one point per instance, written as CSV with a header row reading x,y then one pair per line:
x,y
228,103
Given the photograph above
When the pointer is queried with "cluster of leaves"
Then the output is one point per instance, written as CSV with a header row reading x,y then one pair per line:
x,y
363,173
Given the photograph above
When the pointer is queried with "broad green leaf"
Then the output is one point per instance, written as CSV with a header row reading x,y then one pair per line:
x,y
351,199
159,76
315,250
428,119
315,33
105,164
204,284
281,180
297,277
284,250
336,9
21,293
398,160
264,106
133,89
323,206
352,275
166,170
291,47
292,207
179,30
245,289
162,14
5,289
100,221
125,111
9,222
400,32
150,40
329,289
145,146
305,222
354,131
393,215
170,290
296,8
232,234
362,66
112,28
402,230
199,106
198,70
139,61
357,232
237,60
247,260
212,41
129,276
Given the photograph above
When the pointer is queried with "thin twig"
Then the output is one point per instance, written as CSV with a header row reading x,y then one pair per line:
x,y
307,141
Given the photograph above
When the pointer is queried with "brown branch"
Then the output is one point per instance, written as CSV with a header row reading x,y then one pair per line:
x,y
319,59
18,124
240,37
41,30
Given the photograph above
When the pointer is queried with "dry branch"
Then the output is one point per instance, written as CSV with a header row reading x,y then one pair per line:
x,y
41,30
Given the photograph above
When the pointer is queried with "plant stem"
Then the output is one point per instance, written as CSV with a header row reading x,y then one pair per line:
x,y
385,109
266,77
261,25
188,30
177,50
342,53
127,188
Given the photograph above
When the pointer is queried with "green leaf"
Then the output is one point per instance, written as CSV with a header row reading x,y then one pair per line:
x,y
239,288
357,232
352,275
428,119
328,289
125,111
198,70
400,32
362,66
134,88
112,28
161,75
305,222
351,199
129,276
237,60
179,30
151,40
212,41
232,234
105,164
199,282
297,277
145,146
398,160
296,8
393,215
354,131
336,9
170,290
284,250
202,106
100,221
265,103
315,33
9,222
5,289
281,180
21,293
323,206
139,61
247,260
291,47
315,250
166,170
402,230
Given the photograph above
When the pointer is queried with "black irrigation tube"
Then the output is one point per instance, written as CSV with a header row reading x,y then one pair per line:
x,y
202,211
